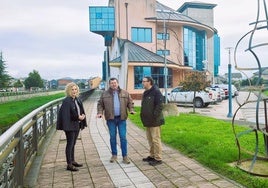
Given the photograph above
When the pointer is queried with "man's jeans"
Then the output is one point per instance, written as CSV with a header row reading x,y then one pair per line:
x,y
113,124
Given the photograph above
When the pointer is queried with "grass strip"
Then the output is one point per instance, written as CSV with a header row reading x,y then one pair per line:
x,y
11,112
209,141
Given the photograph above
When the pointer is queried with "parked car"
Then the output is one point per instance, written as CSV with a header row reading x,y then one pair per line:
x,y
181,96
225,87
222,93
215,94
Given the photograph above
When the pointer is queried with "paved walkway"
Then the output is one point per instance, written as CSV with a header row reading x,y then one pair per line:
x,y
93,150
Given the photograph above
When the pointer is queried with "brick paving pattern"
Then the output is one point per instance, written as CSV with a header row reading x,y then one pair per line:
x,y
93,150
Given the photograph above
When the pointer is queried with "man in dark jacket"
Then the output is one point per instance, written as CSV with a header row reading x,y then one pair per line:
x,y
152,118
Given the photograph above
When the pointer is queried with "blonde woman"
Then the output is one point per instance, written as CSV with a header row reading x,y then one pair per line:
x,y
71,119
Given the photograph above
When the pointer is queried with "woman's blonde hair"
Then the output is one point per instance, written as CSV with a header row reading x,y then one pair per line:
x,y
68,89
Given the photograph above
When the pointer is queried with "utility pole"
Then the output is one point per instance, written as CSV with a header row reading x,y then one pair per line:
x,y
229,83
165,60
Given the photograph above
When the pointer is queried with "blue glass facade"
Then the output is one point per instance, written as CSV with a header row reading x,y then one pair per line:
x,y
194,42
161,36
139,34
102,19
157,73
216,54
162,52
195,49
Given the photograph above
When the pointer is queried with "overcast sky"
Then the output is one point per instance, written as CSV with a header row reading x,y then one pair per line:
x,y
53,37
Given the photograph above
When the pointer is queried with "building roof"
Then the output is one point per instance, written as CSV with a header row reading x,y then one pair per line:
x,y
166,13
235,75
196,4
139,54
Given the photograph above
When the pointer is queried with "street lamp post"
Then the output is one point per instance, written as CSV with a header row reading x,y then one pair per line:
x,y
165,60
229,83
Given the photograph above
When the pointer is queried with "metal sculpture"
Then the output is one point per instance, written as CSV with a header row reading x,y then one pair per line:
x,y
253,160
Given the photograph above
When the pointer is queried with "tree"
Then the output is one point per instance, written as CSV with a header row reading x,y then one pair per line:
x,y
195,81
4,77
81,85
33,80
18,84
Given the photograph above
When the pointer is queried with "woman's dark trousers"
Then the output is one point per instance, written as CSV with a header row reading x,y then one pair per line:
x,y
71,137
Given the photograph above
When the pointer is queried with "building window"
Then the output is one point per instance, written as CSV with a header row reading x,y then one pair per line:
x,y
161,36
195,47
139,34
162,52
101,19
216,54
157,73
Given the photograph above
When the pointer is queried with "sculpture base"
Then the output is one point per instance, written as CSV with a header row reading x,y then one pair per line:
x,y
260,167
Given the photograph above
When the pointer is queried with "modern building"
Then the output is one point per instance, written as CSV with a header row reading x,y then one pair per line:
x,y
94,82
147,38
61,83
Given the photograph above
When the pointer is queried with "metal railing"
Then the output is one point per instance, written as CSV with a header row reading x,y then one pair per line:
x,y
20,143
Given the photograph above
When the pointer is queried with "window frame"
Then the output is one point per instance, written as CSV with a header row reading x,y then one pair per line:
x,y
141,34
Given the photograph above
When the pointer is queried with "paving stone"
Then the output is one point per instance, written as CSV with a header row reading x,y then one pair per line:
x,y
93,150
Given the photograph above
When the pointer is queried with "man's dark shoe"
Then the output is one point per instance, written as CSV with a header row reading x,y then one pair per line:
x,y
148,159
155,162
72,168
77,164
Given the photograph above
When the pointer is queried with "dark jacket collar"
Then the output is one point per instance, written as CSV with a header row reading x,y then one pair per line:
x,y
150,90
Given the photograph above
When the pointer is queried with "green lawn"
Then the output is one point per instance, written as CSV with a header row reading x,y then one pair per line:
x,y
11,112
209,141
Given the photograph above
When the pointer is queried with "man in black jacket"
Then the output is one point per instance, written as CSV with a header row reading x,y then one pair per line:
x,y
152,118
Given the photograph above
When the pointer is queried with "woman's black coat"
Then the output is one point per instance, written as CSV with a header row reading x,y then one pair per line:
x,y
68,115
